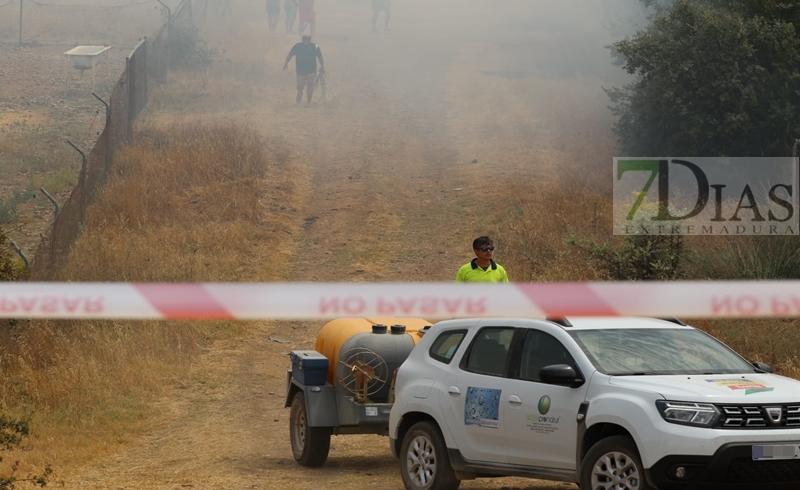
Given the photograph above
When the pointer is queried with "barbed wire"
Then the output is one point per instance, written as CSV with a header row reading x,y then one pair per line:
x,y
9,2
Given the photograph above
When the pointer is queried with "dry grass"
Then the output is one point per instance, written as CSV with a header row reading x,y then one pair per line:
x,y
565,191
772,340
192,202
189,202
88,384
236,66
535,229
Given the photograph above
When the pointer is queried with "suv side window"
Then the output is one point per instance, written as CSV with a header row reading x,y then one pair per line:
x,y
540,349
446,345
489,350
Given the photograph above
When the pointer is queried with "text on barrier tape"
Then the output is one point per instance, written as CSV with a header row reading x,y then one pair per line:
x,y
427,300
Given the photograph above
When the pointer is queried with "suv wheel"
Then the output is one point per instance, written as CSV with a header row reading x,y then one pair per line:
x,y
310,445
613,462
424,463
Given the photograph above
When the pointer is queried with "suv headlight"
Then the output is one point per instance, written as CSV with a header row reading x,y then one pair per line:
x,y
697,414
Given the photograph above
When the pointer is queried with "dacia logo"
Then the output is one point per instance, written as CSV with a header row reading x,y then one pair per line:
x,y
775,414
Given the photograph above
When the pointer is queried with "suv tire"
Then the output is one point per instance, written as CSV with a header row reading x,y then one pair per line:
x,y
424,463
310,445
613,460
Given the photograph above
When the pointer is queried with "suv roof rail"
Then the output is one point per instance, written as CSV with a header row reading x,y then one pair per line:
x,y
559,321
672,319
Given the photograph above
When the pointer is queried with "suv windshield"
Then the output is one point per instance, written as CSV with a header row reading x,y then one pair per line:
x,y
658,351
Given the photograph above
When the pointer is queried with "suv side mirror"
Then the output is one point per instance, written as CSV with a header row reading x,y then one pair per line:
x,y
764,368
560,374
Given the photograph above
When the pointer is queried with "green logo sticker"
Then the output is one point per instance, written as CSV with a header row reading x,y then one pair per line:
x,y
544,405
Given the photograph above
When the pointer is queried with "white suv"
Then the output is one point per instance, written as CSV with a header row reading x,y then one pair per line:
x,y
608,403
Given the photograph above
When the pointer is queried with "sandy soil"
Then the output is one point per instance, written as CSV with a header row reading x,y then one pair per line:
x,y
427,124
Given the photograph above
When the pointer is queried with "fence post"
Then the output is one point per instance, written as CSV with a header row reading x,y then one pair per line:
x,y
169,12
52,200
105,132
20,22
129,98
145,77
82,179
22,254
169,41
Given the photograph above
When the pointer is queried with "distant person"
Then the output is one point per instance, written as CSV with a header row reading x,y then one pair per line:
x,y
306,54
482,268
308,16
222,8
290,7
379,6
273,13
201,8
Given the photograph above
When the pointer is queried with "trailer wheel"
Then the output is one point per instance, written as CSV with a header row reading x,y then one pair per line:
x,y
310,445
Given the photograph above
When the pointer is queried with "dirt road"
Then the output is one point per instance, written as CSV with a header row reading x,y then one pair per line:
x,y
428,125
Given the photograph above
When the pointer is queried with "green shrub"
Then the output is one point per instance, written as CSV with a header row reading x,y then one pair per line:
x,y
638,257
12,432
189,49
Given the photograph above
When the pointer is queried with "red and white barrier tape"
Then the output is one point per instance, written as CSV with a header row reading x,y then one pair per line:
x,y
249,301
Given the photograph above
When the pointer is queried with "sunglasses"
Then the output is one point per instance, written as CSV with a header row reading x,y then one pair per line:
x,y
486,249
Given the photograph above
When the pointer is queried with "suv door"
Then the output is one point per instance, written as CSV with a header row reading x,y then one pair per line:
x,y
472,402
540,419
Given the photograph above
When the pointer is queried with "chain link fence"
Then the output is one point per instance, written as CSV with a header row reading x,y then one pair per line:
x,y
148,60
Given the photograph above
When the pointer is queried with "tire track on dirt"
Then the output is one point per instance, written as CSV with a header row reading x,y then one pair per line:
x,y
391,185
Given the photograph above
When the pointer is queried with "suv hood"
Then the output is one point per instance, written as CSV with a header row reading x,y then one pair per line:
x,y
727,388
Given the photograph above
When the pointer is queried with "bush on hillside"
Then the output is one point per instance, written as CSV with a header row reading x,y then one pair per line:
x,y
638,257
12,432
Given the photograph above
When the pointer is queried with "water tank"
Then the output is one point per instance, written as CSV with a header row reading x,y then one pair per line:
x,y
372,357
337,332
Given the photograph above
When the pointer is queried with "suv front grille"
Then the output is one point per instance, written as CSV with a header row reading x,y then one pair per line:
x,y
743,470
757,416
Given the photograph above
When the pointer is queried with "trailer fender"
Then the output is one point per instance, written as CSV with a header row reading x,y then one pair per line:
x,y
320,402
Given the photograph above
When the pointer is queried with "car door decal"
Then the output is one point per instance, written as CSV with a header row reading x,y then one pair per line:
x,y
540,422
482,407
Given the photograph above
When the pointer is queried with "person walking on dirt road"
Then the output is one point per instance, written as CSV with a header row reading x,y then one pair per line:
x,y
308,16
379,6
290,7
273,13
483,268
306,54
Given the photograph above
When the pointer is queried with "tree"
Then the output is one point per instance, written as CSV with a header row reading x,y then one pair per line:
x,y
714,78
